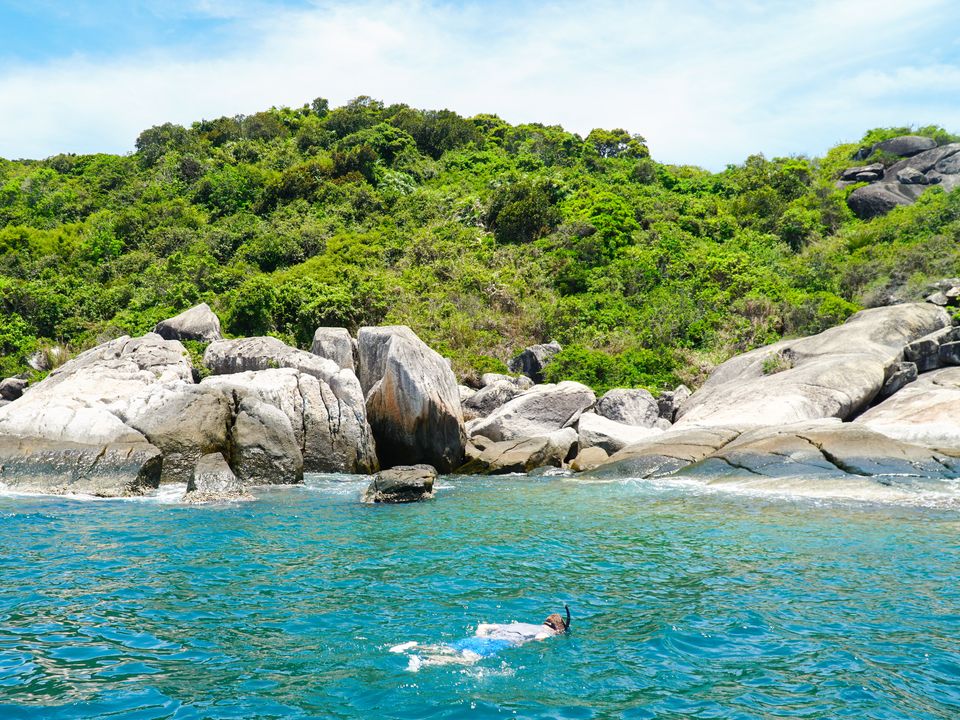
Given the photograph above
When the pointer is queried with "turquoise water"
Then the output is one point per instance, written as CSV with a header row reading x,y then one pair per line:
x,y
687,603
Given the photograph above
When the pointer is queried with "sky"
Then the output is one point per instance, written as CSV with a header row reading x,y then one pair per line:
x,y
706,82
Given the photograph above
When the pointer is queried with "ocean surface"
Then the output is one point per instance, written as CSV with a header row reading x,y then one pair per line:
x,y
689,600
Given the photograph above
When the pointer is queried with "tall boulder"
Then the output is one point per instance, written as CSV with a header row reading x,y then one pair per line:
x,y
198,323
214,481
834,374
629,406
537,412
412,398
335,343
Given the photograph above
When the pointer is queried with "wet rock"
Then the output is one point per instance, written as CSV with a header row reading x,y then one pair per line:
x,y
198,323
533,359
266,449
949,353
413,403
336,344
214,481
537,412
631,407
401,484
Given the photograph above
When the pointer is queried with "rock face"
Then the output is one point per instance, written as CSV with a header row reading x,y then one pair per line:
x,y
670,402
214,481
532,360
834,374
12,388
334,343
522,455
666,453
925,351
197,323
116,469
401,484
923,164
631,407
537,412
926,412
413,403
490,397
596,431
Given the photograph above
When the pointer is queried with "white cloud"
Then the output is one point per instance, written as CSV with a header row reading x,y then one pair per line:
x,y
705,82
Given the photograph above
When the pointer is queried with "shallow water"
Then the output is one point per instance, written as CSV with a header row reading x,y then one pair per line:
x,y
688,602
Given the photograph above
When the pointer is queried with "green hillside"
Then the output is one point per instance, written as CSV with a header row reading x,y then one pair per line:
x,y
482,236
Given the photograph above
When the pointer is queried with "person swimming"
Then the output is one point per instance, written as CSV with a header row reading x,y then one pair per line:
x,y
488,640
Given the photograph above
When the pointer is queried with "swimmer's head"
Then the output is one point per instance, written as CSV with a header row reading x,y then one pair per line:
x,y
557,623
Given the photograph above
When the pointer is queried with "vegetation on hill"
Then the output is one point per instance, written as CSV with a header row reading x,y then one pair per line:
x,y
482,236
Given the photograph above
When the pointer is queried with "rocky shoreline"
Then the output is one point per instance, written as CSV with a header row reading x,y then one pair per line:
x,y
877,395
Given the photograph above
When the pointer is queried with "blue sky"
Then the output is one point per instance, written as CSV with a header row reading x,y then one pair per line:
x,y
706,82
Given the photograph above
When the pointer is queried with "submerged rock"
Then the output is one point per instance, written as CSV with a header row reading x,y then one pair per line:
x,y
413,402
401,484
214,481
198,323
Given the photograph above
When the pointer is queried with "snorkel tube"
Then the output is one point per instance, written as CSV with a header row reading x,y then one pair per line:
x,y
567,608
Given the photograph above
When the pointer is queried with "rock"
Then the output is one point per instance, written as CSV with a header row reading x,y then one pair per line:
x,y
854,174
47,359
926,162
903,374
834,374
228,357
490,397
121,469
198,323
334,343
413,404
401,484
588,459
12,388
266,450
670,401
465,393
532,360
631,407
520,455
666,453
596,431
537,412
925,352
328,421
905,145
924,412
938,298
949,353
663,424
911,176
878,199
522,382
214,481
821,450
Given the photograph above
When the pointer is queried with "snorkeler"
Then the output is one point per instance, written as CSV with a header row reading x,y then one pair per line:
x,y
489,639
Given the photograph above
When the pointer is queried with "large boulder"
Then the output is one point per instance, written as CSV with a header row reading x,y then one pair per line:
x,y
925,412
834,374
214,481
401,484
335,343
518,456
666,453
116,469
631,407
878,199
198,323
596,431
331,416
905,145
413,403
537,412
533,359
265,446
490,397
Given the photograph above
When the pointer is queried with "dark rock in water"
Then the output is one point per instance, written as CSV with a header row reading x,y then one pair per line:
x,y
198,323
903,374
490,397
522,455
532,360
12,388
401,484
629,406
413,402
878,199
335,343
905,145
41,465
214,481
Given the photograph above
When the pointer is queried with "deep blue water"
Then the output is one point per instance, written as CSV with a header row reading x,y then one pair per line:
x,y
687,603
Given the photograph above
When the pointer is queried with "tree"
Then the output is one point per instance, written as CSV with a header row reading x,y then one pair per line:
x,y
617,143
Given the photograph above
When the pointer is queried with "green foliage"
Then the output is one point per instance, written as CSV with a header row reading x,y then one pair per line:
x,y
482,236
